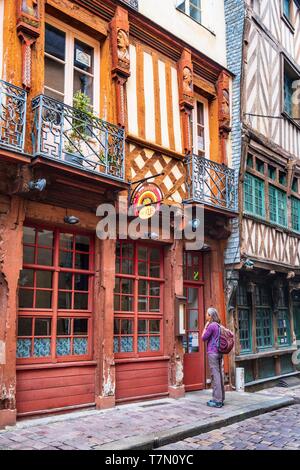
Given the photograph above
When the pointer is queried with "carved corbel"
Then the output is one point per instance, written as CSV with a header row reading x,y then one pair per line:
x,y
119,29
186,96
224,112
231,292
28,30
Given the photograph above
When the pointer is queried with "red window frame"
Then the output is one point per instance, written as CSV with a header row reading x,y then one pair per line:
x,y
54,312
134,314
193,262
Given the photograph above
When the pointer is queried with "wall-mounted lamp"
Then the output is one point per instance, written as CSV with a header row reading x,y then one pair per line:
x,y
248,264
71,219
152,235
38,185
195,223
180,315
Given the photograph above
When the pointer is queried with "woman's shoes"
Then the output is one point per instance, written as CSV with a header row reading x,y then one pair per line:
x,y
215,404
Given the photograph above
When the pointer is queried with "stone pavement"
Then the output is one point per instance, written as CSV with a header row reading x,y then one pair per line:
x,y
278,430
137,426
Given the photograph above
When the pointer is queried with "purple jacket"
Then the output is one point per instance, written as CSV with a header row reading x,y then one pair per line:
x,y
211,336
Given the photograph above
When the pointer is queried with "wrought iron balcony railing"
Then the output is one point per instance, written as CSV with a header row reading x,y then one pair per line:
x,y
210,183
79,139
132,3
12,116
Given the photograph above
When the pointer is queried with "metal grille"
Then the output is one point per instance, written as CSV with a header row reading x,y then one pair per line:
x,y
211,183
13,116
63,133
131,3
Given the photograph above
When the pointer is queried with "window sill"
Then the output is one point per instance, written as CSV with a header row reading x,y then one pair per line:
x,y
261,354
288,23
195,21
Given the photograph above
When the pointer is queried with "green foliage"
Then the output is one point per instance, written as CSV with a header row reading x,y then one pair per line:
x,y
83,115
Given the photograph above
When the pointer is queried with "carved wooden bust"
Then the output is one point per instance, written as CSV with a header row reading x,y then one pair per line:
x,y
123,48
30,7
187,80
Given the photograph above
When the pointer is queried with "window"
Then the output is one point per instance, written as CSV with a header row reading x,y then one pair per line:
x,y
288,10
264,335
191,8
244,319
71,64
192,267
295,185
295,214
278,206
254,195
283,323
55,295
260,166
200,129
138,300
290,106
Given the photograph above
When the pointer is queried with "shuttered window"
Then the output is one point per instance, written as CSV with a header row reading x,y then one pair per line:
x,y
55,296
295,214
264,334
283,321
244,318
278,206
254,196
138,301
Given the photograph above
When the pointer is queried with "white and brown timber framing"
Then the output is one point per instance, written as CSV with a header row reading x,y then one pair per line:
x,y
268,41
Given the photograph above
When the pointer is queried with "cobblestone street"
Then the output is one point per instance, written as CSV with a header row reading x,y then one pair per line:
x,y
146,424
278,430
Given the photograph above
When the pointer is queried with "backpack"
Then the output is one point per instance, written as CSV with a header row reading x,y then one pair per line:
x,y
225,340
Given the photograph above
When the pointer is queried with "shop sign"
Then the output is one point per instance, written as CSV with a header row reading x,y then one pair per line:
x,y
146,201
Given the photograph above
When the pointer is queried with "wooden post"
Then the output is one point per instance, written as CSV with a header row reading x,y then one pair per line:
x,y
11,232
173,268
104,323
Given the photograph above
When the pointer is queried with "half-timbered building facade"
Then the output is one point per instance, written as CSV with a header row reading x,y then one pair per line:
x,y
101,100
263,263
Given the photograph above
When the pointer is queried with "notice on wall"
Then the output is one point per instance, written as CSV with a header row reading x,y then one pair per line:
x,y
2,352
195,340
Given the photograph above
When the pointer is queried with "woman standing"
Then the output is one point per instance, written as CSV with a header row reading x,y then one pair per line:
x,y
215,358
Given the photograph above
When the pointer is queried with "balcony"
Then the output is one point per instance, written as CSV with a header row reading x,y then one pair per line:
x,y
77,139
211,183
132,3
12,117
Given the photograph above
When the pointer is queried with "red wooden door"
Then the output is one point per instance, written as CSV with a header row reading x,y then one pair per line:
x,y
194,358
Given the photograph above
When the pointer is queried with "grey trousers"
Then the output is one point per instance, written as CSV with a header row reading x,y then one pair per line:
x,y
215,362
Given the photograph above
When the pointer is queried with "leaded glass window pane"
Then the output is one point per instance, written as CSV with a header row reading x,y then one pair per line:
x,y
295,214
278,206
244,329
264,337
254,195
283,328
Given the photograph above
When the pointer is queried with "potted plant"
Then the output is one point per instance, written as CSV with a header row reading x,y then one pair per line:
x,y
83,113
